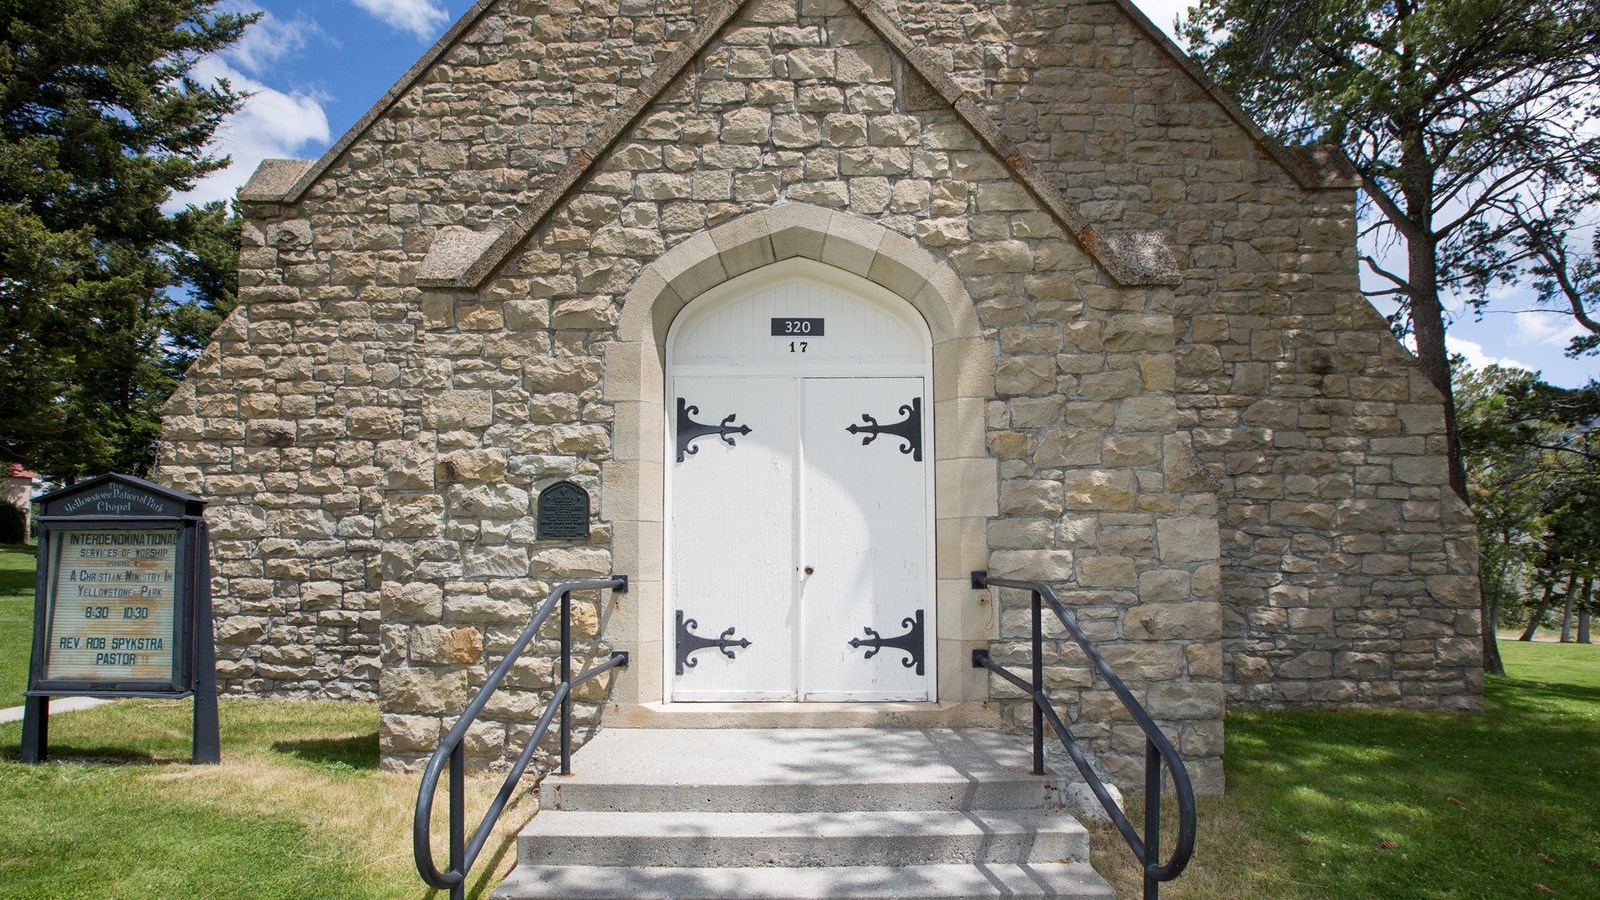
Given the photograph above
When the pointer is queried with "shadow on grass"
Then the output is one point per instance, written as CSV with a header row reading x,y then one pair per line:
x,y
87,754
1535,696
1404,804
357,753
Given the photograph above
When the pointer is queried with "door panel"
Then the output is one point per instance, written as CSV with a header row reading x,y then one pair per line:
x,y
864,533
731,538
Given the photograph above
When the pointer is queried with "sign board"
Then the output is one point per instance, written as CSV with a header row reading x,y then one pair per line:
x,y
113,613
563,512
122,604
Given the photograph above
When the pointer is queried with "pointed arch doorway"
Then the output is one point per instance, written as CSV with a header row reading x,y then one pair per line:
x,y
799,494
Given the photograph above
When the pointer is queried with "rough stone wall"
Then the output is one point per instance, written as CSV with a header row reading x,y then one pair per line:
x,y
371,449
811,108
1349,566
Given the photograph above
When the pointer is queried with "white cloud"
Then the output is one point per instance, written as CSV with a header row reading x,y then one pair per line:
x,y
269,40
422,18
1478,358
1164,12
1546,327
272,124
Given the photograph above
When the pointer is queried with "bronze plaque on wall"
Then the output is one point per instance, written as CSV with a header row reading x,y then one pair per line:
x,y
563,512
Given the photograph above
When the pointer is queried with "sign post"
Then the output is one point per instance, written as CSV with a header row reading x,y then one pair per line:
x,y
122,604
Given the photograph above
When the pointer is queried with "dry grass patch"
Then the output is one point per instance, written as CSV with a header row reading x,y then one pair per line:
x,y
299,808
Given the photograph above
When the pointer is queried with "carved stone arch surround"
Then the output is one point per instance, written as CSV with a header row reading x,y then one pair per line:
x,y
966,478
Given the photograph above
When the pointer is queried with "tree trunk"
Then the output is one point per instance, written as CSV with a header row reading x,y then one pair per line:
x,y
1583,611
1544,603
1490,613
1427,326
1566,615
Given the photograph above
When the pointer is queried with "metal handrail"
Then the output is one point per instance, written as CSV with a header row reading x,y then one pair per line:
x,y
1157,748
453,749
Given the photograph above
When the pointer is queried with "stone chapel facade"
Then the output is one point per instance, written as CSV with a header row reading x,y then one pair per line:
x,y
1150,377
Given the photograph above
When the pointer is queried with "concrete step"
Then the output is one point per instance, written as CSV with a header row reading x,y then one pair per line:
x,y
844,838
801,813
798,770
1074,881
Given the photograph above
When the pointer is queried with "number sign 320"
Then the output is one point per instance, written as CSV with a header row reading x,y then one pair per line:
x,y
797,328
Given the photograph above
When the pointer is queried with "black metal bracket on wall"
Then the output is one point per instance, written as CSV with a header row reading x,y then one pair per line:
x,y
688,643
910,643
689,430
908,429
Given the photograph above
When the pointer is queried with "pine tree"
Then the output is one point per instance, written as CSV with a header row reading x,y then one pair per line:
x,y
100,124
1451,111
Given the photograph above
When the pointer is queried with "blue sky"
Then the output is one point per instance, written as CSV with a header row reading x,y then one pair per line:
x,y
315,66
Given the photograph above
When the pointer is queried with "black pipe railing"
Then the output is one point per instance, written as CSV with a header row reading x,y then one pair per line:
x,y
453,749
1147,849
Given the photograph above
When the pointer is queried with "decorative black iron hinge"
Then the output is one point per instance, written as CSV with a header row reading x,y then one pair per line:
x,y
910,642
689,643
908,430
690,430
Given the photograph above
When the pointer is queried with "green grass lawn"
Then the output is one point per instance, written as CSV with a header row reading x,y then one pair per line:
x,y
16,621
1390,804
1320,804
298,809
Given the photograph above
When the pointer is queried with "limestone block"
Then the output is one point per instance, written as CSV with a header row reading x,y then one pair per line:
x,y
1106,572
1114,385
493,501
1203,660
495,562
422,690
1031,498
442,645
472,466
1024,375
551,374
1420,470
1173,621
1255,669
1130,450
321,595
747,125
1032,565
1157,413
409,734
834,194
1310,664
1187,540
1144,661
965,488
458,409
1068,447
1100,489
1351,664
241,630
581,438
584,314
1138,331
563,563
1185,701
991,257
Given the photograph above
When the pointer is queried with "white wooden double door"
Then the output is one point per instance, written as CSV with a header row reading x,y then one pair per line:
x,y
800,536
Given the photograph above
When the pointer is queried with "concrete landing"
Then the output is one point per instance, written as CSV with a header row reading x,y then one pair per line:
x,y
801,813
798,770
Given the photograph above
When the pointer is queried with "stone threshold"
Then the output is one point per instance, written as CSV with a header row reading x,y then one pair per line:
x,y
803,715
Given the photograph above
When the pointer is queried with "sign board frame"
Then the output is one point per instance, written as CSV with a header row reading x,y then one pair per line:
x,y
112,503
